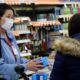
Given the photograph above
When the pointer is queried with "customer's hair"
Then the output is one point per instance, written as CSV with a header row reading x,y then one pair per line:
x,y
74,25
4,7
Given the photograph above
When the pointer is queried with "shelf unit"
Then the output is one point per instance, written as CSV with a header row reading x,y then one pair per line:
x,y
70,8
31,9
34,10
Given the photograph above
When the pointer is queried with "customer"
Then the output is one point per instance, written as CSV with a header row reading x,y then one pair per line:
x,y
10,51
67,60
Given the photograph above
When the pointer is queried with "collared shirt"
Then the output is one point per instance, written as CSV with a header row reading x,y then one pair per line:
x,y
7,62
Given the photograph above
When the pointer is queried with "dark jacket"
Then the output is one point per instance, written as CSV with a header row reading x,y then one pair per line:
x,y
67,60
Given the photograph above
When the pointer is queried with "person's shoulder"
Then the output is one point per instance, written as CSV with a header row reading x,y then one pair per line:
x,y
67,46
10,34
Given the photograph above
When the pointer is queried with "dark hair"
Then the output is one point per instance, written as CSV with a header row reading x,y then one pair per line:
x,y
74,25
4,7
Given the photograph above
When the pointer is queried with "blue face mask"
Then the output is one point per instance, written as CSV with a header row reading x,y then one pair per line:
x,y
8,24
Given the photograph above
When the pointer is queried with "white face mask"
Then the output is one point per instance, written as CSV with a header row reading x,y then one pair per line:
x,y
8,24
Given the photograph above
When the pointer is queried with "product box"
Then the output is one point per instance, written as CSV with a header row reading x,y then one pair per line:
x,y
75,10
40,76
44,61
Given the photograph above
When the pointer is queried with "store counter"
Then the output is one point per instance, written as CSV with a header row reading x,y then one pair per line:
x,y
44,70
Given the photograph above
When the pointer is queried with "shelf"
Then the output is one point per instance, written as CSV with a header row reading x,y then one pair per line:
x,y
64,31
23,41
22,32
21,19
17,33
18,2
39,2
25,54
71,2
44,23
54,33
49,3
64,16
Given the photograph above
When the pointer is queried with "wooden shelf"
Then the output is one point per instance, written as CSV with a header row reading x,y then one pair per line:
x,y
39,2
17,2
21,32
44,23
21,19
49,3
41,23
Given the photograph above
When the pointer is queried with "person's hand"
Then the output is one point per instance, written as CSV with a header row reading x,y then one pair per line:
x,y
34,66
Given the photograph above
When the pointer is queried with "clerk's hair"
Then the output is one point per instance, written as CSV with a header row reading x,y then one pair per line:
x,y
4,7
74,25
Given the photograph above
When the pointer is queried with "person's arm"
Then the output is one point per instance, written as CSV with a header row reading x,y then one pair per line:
x,y
58,68
28,65
8,70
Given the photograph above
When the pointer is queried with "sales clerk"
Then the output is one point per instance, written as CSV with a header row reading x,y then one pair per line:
x,y
10,51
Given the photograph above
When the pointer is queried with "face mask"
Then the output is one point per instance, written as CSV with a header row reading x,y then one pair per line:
x,y
8,24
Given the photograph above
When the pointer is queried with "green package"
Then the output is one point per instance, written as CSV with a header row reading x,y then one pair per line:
x,y
75,10
67,11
